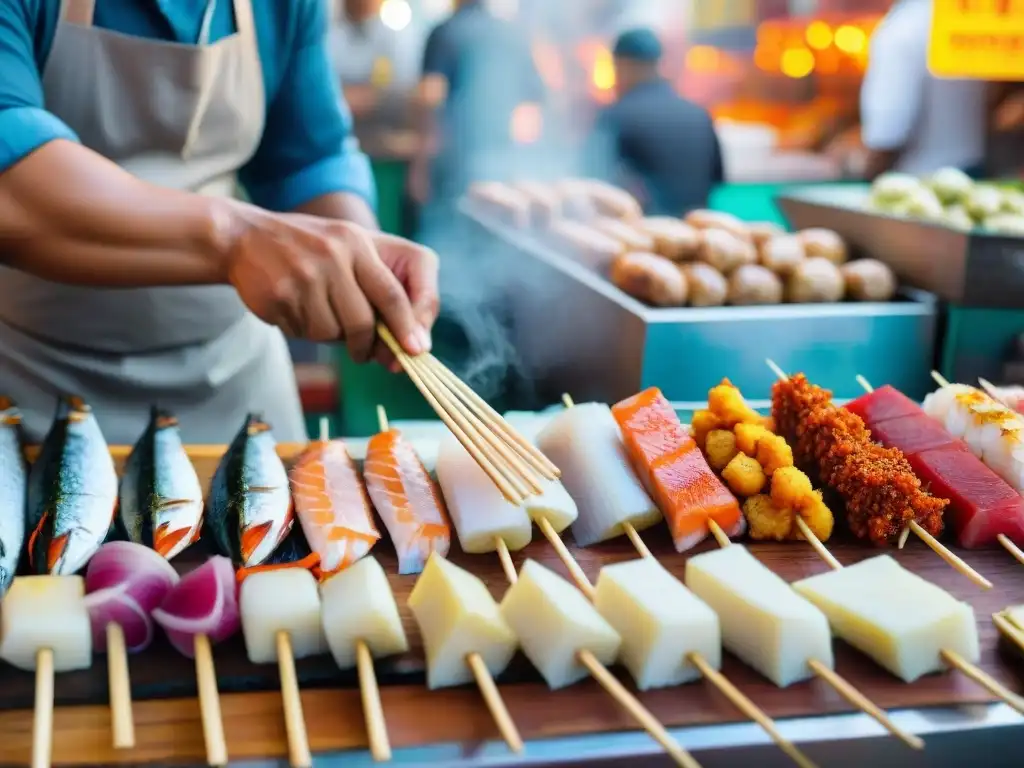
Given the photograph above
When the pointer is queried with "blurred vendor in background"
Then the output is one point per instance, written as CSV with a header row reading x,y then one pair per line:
x,y
370,56
912,121
651,141
483,99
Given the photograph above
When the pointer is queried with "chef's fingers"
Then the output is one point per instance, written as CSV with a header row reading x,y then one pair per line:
x,y
311,302
389,298
422,284
385,358
351,306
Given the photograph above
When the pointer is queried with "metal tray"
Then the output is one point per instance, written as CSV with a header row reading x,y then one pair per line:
x,y
975,269
576,332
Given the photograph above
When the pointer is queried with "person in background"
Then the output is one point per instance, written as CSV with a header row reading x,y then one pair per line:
x,y
370,57
912,121
483,100
651,141
129,273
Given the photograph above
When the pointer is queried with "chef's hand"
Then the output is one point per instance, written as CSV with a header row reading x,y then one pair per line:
x,y
328,280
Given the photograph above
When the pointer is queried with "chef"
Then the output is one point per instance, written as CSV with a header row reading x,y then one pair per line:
x,y
130,275
912,121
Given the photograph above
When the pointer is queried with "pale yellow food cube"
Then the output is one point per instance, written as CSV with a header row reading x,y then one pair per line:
x,y
764,622
457,616
283,600
894,616
46,612
357,604
554,622
660,621
554,505
1015,613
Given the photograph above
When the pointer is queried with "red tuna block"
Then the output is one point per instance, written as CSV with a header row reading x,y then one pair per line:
x,y
913,434
981,504
882,404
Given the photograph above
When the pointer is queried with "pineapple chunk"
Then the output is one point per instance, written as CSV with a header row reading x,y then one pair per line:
x,y
764,622
46,612
357,604
661,623
894,616
554,622
284,600
457,616
554,504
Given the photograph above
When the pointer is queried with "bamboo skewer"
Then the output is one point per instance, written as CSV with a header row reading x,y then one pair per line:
x,y
209,703
299,755
736,697
42,720
838,683
120,687
914,527
514,465
1008,628
369,691
484,681
936,546
993,392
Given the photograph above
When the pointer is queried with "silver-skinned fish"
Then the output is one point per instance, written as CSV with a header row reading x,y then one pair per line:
x,y
161,499
249,510
72,492
13,492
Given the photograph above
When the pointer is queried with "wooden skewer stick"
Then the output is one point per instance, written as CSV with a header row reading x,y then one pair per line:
x,y
120,687
713,676
42,721
372,706
936,546
369,691
838,683
299,755
1008,628
209,703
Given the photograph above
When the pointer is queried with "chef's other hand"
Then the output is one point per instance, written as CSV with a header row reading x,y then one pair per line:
x,y
328,280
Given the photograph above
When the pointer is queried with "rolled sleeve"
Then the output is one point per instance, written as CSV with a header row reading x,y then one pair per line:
x,y
24,124
308,148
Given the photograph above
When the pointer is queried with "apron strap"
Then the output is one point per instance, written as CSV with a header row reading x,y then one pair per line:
x,y
243,19
78,12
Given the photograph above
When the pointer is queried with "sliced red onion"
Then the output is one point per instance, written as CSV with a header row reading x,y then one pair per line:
x,y
204,602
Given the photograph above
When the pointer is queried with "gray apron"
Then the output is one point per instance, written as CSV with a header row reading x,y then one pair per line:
x,y
179,116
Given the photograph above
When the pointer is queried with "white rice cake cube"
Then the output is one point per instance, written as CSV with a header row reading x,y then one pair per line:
x,y
282,600
357,604
479,512
894,616
457,616
660,621
554,622
46,612
764,622
554,505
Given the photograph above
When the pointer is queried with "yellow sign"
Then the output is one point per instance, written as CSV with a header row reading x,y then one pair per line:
x,y
981,39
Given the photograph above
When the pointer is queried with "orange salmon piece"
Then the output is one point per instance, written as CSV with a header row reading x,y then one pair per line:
x,y
407,500
332,505
676,474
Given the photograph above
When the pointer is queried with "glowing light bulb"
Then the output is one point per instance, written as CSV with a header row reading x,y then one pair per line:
x,y
395,14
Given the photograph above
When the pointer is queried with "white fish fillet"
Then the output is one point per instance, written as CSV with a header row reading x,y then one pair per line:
x,y
478,511
586,444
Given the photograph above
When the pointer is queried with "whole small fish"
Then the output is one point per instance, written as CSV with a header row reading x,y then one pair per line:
x,y
72,492
161,498
13,492
249,510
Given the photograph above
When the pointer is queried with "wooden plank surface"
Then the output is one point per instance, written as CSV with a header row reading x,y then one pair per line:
x,y
167,715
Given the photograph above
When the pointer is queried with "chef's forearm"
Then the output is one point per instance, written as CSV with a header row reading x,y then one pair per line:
x,y
69,215
342,205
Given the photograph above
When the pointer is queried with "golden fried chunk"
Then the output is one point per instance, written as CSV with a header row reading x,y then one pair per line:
x,y
719,448
773,453
769,423
744,475
817,516
747,436
726,402
702,422
765,520
790,488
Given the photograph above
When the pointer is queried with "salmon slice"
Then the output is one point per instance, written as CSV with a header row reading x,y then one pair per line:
x,y
332,506
674,470
407,500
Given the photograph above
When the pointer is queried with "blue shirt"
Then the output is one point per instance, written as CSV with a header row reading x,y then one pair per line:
x,y
307,149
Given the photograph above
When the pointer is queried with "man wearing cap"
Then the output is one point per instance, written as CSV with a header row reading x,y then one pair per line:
x,y
651,140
